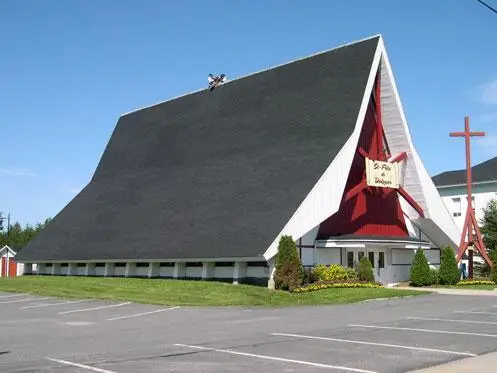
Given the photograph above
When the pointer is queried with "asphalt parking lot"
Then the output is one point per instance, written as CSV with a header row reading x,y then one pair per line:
x,y
42,334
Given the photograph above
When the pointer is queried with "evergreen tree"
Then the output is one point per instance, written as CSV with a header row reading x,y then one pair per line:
x,y
365,270
288,272
488,228
449,272
493,271
17,236
489,225
420,270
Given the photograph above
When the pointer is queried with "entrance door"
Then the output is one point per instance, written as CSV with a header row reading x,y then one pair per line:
x,y
353,257
377,259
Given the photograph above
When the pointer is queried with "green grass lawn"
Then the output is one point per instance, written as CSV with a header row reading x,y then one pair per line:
x,y
185,293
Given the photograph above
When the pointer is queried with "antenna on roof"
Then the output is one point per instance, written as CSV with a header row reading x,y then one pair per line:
x,y
214,81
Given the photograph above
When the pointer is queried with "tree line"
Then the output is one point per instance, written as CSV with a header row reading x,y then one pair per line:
x,y
488,228
17,236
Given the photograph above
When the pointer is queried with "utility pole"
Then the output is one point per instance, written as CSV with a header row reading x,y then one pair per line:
x,y
2,219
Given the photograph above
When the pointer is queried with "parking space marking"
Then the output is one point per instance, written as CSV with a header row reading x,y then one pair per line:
x,y
477,312
142,313
266,357
54,304
374,344
422,330
11,296
94,308
25,300
87,367
453,320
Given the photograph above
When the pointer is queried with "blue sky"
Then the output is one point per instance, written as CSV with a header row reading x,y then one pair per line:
x,y
69,69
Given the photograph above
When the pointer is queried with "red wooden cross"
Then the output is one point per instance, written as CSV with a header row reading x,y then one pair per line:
x,y
470,223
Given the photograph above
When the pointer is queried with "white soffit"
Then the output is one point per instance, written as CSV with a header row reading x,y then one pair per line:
x,y
417,181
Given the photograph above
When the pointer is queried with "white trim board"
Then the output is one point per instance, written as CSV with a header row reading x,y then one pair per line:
x,y
417,181
12,253
179,260
464,184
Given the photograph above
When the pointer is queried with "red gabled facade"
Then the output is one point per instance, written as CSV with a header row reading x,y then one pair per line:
x,y
367,210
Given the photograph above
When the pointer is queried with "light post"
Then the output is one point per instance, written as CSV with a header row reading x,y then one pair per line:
x,y
2,219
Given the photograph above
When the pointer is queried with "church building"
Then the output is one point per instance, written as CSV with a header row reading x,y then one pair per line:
x,y
204,185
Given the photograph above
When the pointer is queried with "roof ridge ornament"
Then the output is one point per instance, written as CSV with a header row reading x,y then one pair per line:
x,y
214,81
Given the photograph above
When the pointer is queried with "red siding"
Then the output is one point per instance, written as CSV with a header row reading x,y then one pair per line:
x,y
12,267
376,212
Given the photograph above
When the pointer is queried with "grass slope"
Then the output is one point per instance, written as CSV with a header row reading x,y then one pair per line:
x,y
184,293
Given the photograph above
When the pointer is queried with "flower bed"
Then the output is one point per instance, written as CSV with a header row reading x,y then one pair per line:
x,y
475,282
320,286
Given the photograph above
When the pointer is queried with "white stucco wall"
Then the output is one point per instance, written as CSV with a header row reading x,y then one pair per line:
x,y
400,267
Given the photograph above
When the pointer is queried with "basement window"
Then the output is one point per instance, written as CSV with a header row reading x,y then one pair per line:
x,y
224,264
257,264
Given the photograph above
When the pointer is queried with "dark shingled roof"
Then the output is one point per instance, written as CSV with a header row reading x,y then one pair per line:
x,y
213,174
485,171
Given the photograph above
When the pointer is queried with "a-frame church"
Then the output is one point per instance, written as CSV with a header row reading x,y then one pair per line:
x,y
204,185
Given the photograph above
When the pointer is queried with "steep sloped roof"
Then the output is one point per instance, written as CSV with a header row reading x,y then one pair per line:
x,y
485,171
213,174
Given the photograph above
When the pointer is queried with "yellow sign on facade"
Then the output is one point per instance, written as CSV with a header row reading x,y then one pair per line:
x,y
382,174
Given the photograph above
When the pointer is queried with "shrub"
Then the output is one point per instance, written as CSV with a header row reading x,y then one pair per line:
x,y
352,274
334,272
309,276
435,279
449,272
365,270
288,272
420,274
319,272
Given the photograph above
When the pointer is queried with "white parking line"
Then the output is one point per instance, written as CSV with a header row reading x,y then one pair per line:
x,y
477,312
87,367
95,308
143,313
374,344
319,365
11,296
25,300
422,330
452,320
54,304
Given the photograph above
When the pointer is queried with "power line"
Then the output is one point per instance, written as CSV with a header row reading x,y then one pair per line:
x,y
488,6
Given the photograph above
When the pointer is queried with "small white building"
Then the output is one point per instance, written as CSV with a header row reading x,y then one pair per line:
x,y
452,188
9,267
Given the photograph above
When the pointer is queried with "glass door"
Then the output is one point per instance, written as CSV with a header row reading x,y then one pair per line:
x,y
377,259
353,257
